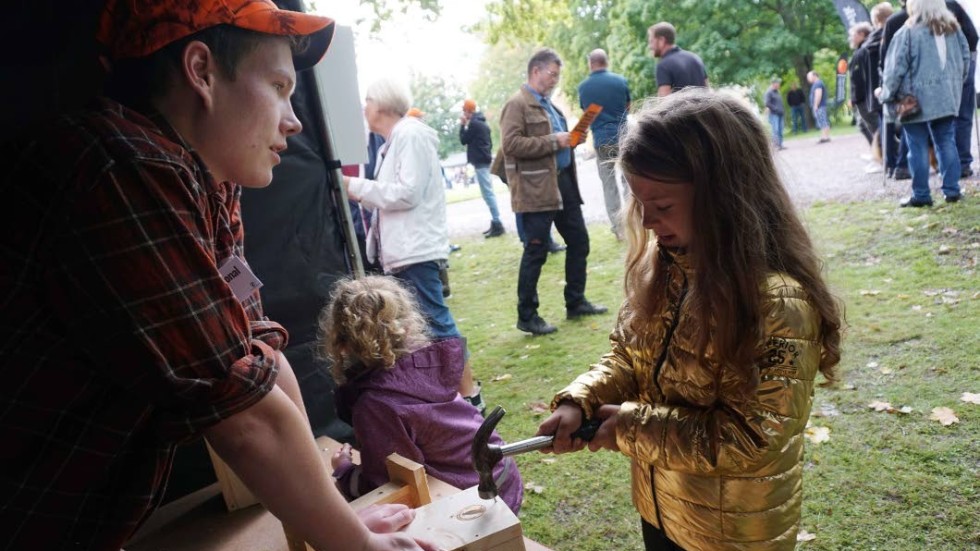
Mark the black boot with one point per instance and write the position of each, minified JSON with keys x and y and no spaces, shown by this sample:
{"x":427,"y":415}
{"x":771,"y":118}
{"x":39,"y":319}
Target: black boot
{"x":496,"y":230}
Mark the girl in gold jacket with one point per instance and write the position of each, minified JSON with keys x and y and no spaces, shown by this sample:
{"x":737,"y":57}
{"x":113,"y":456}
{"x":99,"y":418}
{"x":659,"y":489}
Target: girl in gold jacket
{"x":727,"y":319}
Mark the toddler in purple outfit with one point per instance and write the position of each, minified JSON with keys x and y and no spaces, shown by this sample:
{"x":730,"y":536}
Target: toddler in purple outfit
{"x":398,"y":390}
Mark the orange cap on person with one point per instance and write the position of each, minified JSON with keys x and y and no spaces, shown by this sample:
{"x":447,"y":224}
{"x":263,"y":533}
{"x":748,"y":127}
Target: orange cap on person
{"x":415,"y":112}
{"x":469,"y":105}
{"x":138,"y":28}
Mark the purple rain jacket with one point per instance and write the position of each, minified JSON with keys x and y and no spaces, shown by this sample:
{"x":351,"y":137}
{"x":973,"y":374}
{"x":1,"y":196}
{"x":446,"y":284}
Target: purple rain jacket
{"x":415,"y":410}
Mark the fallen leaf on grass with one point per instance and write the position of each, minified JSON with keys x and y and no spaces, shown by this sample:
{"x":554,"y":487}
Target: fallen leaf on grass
{"x":498,"y":378}
{"x":888,"y":408}
{"x":970,"y":398}
{"x":817,"y":435}
{"x":873,"y":365}
{"x":826,"y":410}
{"x":532,"y":487}
{"x":524,"y":356}
{"x":944,"y":249}
{"x":944,"y":415}
{"x":533,"y":346}
{"x":538,"y":407}
{"x":548,"y":460}
{"x":803,"y":535}
{"x":950,"y":231}
{"x":886,"y":371}
{"x":870,"y":292}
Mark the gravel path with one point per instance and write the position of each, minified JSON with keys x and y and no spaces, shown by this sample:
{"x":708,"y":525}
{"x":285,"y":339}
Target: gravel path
{"x":812,"y":172}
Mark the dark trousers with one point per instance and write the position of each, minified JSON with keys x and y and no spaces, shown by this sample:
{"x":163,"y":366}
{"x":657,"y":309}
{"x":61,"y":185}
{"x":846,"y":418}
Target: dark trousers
{"x":537,"y":225}
{"x":897,"y":154}
{"x":799,"y":118}
{"x":654,"y":539}
{"x":964,"y":120}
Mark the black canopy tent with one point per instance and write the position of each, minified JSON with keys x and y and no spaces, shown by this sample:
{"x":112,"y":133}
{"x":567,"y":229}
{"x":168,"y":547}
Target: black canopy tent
{"x":296,"y":230}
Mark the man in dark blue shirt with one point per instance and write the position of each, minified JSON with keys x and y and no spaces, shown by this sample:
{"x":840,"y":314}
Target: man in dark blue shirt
{"x":818,"y":102}
{"x":612,"y":92}
{"x":677,"y":68}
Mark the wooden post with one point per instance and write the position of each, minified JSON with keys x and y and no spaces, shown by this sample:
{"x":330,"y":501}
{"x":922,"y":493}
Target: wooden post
{"x":408,"y":485}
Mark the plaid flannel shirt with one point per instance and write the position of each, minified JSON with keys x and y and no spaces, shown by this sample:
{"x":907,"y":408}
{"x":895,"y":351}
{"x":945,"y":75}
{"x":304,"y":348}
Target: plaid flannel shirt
{"x":119,"y":337}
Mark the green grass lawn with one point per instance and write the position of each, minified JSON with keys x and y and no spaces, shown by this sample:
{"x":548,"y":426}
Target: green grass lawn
{"x":460,"y":193}
{"x":908,"y":278}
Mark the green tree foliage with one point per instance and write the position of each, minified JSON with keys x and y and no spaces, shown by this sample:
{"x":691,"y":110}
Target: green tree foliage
{"x":383,"y":10}
{"x":741,"y":41}
{"x":441,"y":101}
{"x":502,"y":71}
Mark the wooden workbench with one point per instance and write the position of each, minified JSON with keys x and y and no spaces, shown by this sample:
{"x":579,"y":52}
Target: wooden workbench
{"x":201,"y":521}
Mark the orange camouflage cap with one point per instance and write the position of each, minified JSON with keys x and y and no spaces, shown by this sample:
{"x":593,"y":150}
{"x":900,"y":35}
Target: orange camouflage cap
{"x":415,"y":112}
{"x":137,"y":28}
{"x":469,"y":105}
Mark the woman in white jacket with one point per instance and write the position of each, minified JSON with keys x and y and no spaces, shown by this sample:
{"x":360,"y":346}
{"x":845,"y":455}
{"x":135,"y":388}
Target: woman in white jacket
{"x":408,"y":234}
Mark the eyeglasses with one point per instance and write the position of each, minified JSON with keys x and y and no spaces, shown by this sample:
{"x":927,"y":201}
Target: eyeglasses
{"x":553,"y":74}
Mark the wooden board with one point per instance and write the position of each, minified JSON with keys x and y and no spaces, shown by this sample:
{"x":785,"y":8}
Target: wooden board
{"x":464,"y":522}
{"x":236,"y":493}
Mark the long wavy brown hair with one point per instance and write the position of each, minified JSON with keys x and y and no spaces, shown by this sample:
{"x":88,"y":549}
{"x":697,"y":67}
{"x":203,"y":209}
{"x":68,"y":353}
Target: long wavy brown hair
{"x":368,"y":324}
{"x":746,"y":227}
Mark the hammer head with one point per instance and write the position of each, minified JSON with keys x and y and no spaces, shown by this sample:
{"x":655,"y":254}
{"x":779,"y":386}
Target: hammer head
{"x":486,"y":455}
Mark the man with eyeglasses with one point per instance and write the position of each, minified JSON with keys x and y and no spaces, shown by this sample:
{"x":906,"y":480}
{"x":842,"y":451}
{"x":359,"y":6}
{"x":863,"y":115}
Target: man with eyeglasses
{"x":544,"y":190}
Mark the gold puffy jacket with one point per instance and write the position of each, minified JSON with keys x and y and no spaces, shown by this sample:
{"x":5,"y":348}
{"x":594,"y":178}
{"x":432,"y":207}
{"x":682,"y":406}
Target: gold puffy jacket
{"x":714,"y":466}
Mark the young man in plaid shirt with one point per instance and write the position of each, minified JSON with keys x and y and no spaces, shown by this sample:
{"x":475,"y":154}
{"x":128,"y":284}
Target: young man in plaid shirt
{"x":130,"y":320}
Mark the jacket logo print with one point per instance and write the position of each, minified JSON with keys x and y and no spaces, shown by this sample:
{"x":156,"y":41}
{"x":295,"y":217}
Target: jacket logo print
{"x":780,"y":351}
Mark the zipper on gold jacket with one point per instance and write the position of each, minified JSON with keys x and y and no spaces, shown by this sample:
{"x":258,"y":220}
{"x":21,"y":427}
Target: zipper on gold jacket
{"x":656,"y":381}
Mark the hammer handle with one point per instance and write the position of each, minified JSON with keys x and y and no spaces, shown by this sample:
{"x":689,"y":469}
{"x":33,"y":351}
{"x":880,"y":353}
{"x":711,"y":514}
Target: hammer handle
{"x":585,"y":432}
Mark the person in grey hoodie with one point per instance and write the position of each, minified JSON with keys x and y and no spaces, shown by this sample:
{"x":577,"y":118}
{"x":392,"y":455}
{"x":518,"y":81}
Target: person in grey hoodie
{"x":398,"y":390}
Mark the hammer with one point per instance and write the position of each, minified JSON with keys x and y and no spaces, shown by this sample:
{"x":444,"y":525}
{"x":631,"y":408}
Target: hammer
{"x":487,"y":455}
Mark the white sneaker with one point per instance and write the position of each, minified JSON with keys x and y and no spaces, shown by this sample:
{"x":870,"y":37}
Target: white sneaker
{"x":872,"y":168}
{"x":865,"y":156}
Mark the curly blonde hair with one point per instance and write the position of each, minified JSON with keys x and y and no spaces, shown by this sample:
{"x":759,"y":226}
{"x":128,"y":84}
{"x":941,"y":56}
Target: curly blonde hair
{"x":371,"y":321}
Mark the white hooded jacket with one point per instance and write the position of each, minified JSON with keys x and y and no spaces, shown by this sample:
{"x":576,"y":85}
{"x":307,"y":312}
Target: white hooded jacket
{"x":409,"y":195}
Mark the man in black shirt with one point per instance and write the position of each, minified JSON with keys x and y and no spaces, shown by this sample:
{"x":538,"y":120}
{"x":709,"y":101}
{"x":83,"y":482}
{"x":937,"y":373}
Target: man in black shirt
{"x":677,"y":68}
{"x":797,"y":107}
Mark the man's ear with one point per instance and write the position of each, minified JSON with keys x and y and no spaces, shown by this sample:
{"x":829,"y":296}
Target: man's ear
{"x":199,"y":69}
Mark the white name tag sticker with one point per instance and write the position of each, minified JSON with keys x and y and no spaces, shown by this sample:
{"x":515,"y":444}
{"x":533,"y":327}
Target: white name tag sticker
{"x":239,"y":277}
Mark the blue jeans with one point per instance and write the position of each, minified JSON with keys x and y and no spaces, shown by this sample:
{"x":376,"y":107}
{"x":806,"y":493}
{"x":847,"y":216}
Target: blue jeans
{"x":799,"y":118}
{"x":486,"y":189}
{"x":943,"y":133}
{"x":964,"y":120}
{"x":423,"y":280}
{"x":776,"y":123}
